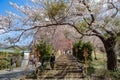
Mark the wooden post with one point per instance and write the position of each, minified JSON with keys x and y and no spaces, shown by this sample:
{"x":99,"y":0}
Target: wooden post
{"x":85,"y":55}
{"x":37,"y":57}
{"x":76,"y":52}
{"x":37,"y":60}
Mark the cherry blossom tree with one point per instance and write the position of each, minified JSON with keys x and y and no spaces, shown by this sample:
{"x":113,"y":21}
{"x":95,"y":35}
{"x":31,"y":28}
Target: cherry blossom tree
{"x":98,"y":18}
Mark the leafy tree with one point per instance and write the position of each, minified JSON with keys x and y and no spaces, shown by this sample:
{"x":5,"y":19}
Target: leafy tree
{"x":88,"y":17}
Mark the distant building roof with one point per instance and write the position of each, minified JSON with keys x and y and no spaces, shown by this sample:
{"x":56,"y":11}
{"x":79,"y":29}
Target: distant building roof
{"x":13,"y":51}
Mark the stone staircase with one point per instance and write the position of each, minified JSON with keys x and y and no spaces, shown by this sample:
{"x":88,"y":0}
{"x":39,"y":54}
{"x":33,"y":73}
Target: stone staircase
{"x":66,"y":67}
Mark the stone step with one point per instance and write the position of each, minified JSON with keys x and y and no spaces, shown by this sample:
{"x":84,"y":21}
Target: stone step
{"x":66,"y":64}
{"x":68,"y":70}
{"x":67,"y":61}
{"x":61,"y":77}
{"x":65,"y":75}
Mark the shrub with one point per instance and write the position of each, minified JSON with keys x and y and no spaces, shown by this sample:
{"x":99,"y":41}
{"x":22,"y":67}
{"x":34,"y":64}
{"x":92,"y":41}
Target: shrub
{"x":5,"y":59}
{"x":44,"y":49}
{"x":4,"y":64}
{"x":115,"y":75}
{"x":81,"y":46}
{"x":90,"y":70}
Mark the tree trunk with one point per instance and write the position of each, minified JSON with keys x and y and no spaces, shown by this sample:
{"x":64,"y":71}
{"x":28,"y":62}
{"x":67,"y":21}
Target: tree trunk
{"x":111,"y":56}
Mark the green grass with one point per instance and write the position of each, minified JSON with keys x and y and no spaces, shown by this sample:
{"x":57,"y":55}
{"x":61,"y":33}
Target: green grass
{"x":100,"y":62}
{"x":100,"y":66}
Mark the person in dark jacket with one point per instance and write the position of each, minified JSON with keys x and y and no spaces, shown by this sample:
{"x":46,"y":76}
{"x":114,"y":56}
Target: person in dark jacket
{"x":11,"y":64}
{"x":52,"y":61}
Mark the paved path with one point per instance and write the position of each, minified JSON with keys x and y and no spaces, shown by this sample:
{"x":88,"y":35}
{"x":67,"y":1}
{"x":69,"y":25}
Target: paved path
{"x":66,"y":67}
{"x":16,"y":74}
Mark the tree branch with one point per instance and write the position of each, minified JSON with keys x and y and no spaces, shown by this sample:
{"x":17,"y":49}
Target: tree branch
{"x":72,"y":25}
{"x":89,"y":10}
{"x":116,"y":10}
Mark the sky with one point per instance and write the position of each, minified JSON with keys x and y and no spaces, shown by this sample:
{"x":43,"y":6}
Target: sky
{"x":5,"y":6}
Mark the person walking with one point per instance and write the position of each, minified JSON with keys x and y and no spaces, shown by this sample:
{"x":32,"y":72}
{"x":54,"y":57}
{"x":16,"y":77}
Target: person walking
{"x":52,"y":61}
{"x":11,"y":64}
